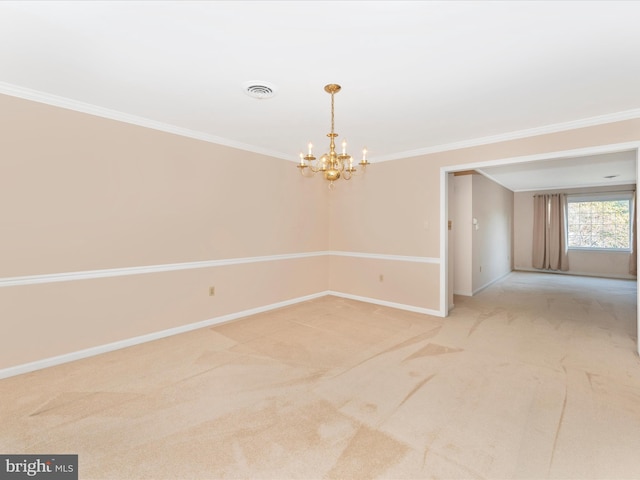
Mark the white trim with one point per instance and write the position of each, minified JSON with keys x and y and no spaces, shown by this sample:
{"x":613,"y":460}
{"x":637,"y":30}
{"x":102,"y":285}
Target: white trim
{"x":599,"y":249}
{"x":518,"y":134}
{"x":464,"y":293}
{"x":109,"y":347}
{"x":70,"y":104}
{"x":77,"y":106}
{"x":601,"y":196}
{"x":381,"y":256}
{"x":556,"y":155}
{"x":579,"y":274}
{"x":444,"y":242}
{"x":572,"y":186}
{"x":488,"y":284}
{"x":399,"y":306}
{"x":637,"y":214}
{"x":556,"y":187}
{"x":119,"y":272}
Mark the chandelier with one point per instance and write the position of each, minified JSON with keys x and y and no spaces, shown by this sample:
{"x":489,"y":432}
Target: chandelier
{"x":332,"y":165}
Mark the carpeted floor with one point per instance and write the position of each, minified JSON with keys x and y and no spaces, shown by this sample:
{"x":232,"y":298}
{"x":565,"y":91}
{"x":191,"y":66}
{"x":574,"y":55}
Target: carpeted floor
{"x":536,"y":377}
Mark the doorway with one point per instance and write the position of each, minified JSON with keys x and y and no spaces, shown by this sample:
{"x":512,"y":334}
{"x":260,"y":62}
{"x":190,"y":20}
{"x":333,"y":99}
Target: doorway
{"x":447,"y":232}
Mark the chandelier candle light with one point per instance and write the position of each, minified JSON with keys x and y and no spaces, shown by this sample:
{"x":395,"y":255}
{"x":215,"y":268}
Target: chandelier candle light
{"x":332,"y":165}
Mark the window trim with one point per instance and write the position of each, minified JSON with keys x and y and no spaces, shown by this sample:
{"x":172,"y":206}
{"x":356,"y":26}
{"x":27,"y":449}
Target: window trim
{"x":601,"y":197}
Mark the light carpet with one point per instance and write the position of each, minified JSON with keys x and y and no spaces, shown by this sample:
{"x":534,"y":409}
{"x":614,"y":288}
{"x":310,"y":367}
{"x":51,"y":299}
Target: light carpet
{"x":535,"y":377}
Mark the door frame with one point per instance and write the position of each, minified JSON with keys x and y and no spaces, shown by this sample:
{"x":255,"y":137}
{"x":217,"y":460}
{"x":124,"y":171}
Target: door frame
{"x":444,"y":204}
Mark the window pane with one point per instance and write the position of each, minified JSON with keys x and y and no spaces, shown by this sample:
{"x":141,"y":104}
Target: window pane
{"x":598,"y":224}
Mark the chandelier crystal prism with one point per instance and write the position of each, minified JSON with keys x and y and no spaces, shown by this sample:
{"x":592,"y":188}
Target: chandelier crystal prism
{"x":332,"y":164}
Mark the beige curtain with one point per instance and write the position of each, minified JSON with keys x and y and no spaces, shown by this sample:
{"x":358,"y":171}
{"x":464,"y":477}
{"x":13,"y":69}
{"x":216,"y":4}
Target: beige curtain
{"x":539,"y":230}
{"x":549,"y":232}
{"x":633,"y":258}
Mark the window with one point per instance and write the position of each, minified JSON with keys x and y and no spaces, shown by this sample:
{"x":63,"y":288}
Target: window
{"x":599,"y":221}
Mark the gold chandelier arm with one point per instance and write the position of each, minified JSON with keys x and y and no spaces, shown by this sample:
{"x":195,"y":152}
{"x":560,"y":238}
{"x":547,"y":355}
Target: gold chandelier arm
{"x":332,"y":165}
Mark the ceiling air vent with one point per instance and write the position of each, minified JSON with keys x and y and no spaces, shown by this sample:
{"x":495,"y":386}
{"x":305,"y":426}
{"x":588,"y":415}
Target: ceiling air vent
{"x":259,"y":90}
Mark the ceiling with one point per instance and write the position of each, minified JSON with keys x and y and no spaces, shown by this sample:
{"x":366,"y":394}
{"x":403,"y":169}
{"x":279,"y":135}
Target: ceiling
{"x":416,"y":76}
{"x":617,"y":168}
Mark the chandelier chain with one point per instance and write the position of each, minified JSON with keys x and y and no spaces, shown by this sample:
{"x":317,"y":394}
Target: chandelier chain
{"x":332,"y":124}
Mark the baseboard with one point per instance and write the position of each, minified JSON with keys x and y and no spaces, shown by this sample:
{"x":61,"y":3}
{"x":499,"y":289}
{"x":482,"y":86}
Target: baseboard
{"x":129,"y":342}
{"x":399,"y":306}
{"x":578,"y":274}
{"x":488,"y":284}
{"x":463,"y":293}
{"x":478,"y":290}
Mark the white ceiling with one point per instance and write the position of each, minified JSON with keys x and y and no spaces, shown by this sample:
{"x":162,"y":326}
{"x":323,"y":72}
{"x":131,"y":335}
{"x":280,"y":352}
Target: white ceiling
{"x":417,"y":76}
{"x":617,"y":168}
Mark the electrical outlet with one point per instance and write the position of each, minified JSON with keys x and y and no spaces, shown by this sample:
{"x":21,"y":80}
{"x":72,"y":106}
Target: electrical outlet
{"x":381,"y":278}
{"x":212,"y":291}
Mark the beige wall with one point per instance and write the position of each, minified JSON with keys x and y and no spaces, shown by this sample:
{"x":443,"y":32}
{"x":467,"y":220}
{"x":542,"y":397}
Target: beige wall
{"x":599,"y":263}
{"x":81,"y":192}
{"x":462,"y":231}
{"x":396,"y":209}
{"x":46,"y":320}
{"x":388,"y":212}
{"x":492,"y":236}
{"x":483,"y":250}
{"x":78,"y":192}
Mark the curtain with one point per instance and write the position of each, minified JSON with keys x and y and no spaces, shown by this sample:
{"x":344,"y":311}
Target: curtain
{"x":539,"y":230}
{"x":549,"y":232}
{"x":633,"y":257}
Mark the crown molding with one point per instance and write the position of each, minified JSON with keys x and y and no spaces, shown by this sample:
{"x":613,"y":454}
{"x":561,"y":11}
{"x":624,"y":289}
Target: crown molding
{"x":518,"y":134}
{"x":88,"y":108}
{"x":75,"y":105}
